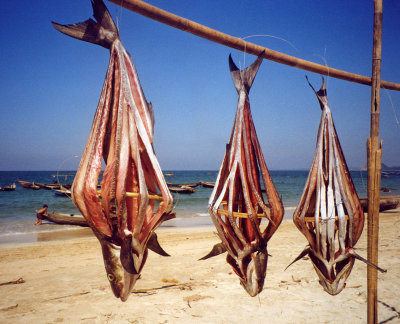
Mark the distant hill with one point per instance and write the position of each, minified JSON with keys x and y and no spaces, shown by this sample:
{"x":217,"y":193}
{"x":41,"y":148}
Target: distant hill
{"x":388,"y":168}
{"x":385,"y":168}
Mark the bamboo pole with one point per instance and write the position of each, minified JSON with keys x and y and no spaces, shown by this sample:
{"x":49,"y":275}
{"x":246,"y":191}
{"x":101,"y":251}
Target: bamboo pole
{"x":192,"y":27}
{"x":374,"y":162}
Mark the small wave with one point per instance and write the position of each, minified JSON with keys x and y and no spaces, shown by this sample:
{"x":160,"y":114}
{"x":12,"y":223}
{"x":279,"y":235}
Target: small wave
{"x":23,"y":230}
{"x":202,"y":214}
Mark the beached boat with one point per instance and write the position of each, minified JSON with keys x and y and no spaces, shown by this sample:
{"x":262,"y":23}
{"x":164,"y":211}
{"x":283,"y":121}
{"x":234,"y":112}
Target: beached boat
{"x":386,"y":203}
{"x":66,"y":219}
{"x":192,"y":185}
{"x":28,"y":185}
{"x":207,"y":184}
{"x":182,"y":190}
{"x":8,"y":188}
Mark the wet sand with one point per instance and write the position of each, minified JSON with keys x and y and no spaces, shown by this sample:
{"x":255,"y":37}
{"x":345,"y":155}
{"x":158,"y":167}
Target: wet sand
{"x":65,"y":282}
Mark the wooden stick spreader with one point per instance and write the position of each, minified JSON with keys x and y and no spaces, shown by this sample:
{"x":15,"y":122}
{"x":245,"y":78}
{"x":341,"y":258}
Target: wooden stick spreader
{"x":136,"y":195}
{"x":311,"y":219}
{"x":239,"y":214}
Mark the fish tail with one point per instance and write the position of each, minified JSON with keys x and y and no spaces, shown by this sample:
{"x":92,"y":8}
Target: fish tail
{"x":244,"y":78}
{"x":102,"y":32}
{"x":321,"y":93}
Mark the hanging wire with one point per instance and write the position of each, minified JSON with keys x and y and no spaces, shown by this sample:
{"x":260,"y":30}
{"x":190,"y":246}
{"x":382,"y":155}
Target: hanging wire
{"x":119,"y":15}
{"x":393,"y":108}
{"x":326,"y":64}
{"x":263,"y":35}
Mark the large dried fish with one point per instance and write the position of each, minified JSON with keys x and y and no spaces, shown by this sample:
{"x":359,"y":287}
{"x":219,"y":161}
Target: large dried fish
{"x":237,"y":204}
{"x":134,"y":198}
{"x":329,"y":213}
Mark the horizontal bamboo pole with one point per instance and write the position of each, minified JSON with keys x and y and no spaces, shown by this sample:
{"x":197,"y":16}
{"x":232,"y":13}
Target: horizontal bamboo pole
{"x":136,"y":195}
{"x":194,"y":28}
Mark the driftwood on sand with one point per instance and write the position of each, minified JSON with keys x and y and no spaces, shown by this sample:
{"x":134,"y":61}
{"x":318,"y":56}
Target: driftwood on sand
{"x":385,"y":203}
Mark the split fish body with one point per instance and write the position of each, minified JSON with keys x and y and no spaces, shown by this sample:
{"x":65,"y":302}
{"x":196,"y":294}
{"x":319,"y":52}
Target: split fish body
{"x":329,"y":214}
{"x":134,"y":198}
{"x":237,"y":201}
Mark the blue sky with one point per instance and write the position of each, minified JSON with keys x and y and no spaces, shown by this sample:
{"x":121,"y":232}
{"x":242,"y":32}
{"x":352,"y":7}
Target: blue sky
{"x":50,"y":84}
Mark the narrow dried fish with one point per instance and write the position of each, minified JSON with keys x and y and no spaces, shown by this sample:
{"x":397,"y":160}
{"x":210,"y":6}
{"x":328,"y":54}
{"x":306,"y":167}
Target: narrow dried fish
{"x":329,"y":214}
{"x":134,"y":198}
{"x":237,"y":204}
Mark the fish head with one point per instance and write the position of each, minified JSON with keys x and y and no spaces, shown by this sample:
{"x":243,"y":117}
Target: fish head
{"x":251,"y":270}
{"x":333,"y":278}
{"x":121,"y":281}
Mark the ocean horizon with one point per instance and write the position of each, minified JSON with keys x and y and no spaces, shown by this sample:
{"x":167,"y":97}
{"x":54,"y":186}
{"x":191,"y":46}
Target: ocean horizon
{"x":17,"y":208}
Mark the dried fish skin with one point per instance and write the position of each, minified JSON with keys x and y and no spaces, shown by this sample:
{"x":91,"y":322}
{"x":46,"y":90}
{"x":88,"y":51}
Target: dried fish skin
{"x":134,"y":198}
{"x":237,"y":204}
{"x":329,"y":214}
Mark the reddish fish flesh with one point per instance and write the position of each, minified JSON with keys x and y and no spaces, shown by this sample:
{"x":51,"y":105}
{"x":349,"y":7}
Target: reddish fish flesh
{"x":237,"y":204}
{"x":329,"y":214}
{"x":134,"y":198}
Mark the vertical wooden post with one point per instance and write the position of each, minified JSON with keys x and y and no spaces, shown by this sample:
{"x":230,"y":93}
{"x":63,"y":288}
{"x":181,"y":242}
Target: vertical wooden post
{"x":374,"y":156}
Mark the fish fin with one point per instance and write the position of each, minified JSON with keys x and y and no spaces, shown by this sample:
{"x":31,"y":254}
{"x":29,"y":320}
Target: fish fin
{"x":167,"y":216}
{"x":103,"y":32}
{"x":217,"y":249}
{"x":359,"y":257}
{"x":155,"y":246}
{"x":164,"y":218}
{"x":321,"y":93}
{"x":244,"y":78}
{"x":126,"y":255}
{"x":305,"y":252}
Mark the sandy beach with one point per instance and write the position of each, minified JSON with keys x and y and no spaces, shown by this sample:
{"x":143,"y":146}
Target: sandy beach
{"x":63,"y":281}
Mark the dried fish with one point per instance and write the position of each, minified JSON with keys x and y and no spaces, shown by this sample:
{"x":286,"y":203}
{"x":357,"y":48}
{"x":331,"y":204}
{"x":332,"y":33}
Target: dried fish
{"x":237,"y":204}
{"x":329,"y":214}
{"x":134,"y":198}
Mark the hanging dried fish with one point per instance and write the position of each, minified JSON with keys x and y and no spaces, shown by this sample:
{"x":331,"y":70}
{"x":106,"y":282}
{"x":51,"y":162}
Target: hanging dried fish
{"x":134,"y":198}
{"x":329,"y":213}
{"x":237,"y":204}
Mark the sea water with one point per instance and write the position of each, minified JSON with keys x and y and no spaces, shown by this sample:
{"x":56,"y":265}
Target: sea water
{"x":17,"y":208}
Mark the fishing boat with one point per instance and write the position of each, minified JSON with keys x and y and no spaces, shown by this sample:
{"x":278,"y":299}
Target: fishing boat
{"x":386,"y":203}
{"x":48,"y":186}
{"x":207,"y":184}
{"x":51,"y":186}
{"x":66,"y":219}
{"x":62,"y":192}
{"x":8,"y":188}
{"x":182,"y":190}
{"x":28,"y":184}
{"x":192,"y":185}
